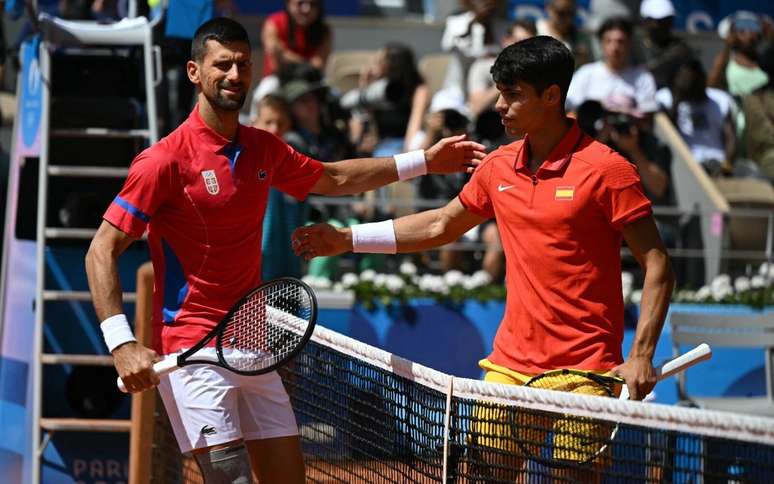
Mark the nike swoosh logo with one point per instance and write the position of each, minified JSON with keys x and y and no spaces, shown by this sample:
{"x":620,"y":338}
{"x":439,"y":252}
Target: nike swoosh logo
{"x":502,"y":188}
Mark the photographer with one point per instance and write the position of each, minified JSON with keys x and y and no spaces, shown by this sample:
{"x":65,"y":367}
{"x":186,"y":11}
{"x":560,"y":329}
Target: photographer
{"x":617,"y":124}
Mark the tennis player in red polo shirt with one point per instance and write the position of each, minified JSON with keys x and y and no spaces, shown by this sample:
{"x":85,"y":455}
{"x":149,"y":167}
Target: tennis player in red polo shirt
{"x":563,"y":203}
{"x":201,"y":193}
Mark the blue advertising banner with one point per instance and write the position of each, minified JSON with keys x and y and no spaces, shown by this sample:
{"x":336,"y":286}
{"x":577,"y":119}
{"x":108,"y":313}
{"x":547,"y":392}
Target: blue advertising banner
{"x":692,"y":15}
{"x":337,"y":7}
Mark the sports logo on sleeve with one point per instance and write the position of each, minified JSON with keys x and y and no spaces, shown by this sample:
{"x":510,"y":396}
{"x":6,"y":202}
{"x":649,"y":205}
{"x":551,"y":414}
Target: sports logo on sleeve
{"x":262,"y":174}
{"x":211,"y":182}
{"x":564,"y":193}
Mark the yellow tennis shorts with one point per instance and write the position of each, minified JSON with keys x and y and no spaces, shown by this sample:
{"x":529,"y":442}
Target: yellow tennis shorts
{"x":499,"y":427}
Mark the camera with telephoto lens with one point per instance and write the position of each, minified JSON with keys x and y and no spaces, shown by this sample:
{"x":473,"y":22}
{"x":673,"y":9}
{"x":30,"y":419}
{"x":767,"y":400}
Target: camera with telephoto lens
{"x":620,"y":122}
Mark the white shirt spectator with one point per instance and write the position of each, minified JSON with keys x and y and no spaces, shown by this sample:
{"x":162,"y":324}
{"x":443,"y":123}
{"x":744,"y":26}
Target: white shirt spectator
{"x":701,"y":124}
{"x":480,"y":76}
{"x":466,"y":41}
{"x":596,"y":82}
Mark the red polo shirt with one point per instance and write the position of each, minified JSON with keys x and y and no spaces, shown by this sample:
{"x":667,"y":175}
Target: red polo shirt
{"x":203,"y":199}
{"x":561,"y":230}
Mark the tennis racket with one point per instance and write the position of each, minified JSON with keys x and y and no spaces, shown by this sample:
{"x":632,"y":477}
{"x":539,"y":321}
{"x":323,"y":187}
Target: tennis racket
{"x":556,"y":441}
{"x":262,"y":331}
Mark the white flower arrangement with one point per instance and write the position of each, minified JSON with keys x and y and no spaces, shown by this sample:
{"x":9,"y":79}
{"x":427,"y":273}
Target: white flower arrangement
{"x":454,"y":286}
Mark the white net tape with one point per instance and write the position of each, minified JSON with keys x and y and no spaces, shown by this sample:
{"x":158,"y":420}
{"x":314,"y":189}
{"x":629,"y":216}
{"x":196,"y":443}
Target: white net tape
{"x":690,"y":420}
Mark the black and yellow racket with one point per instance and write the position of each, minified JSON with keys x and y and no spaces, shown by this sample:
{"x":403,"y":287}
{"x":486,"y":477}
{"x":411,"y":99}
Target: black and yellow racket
{"x":561,"y":439}
{"x":262,"y":331}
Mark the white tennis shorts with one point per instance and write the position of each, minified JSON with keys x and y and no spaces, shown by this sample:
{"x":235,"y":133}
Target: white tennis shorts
{"x":208,"y":405}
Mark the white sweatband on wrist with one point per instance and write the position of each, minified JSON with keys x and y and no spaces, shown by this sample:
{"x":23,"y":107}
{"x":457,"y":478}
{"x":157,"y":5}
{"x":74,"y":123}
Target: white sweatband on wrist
{"x":116,"y":331}
{"x":374,"y":238}
{"x":411,"y":164}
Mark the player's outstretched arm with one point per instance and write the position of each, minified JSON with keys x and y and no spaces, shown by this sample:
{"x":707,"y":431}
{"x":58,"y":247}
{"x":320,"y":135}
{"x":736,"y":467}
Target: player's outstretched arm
{"x":412,"y":233}
{"x":133,"y":361}
{"x":349,"y":177}
{"x":643,"y":239}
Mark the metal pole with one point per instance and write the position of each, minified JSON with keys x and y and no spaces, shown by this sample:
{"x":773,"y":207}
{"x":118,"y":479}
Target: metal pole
{"x":40,"y":263}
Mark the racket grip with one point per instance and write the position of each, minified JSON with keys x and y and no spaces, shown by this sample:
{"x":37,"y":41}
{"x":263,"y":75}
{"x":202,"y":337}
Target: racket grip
{"x":700,"y":353}
{"x":160,"y":368}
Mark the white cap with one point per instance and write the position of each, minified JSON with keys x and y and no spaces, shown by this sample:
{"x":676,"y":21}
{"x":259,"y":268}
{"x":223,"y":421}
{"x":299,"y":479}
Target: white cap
{"x":449,"y":98}
{"x":657,"y":9}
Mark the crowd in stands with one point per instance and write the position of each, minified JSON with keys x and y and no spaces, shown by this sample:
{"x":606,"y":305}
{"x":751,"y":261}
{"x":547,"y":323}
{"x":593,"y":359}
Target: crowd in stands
{"x":628,"y":68}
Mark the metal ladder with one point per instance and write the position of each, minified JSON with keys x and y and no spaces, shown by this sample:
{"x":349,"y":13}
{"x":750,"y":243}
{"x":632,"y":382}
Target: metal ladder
{"x":56,"y":33}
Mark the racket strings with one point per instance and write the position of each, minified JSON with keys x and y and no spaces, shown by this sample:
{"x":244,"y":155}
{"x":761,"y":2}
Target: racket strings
{"x":267,"y":327}
{"x":565,"y":438}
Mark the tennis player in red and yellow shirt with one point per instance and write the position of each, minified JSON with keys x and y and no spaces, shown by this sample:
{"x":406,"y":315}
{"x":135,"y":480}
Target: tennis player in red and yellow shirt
{"x":563,"y":203}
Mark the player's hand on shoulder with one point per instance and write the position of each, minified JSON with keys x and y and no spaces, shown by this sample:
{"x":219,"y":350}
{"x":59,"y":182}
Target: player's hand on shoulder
{"x":321,"y":240}
{"x":134,"y":364}
{"x":639,"y":374}
{"x":454,"y":154}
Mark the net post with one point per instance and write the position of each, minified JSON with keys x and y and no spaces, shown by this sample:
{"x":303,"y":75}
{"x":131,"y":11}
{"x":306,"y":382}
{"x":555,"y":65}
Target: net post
{"x":143,"y":404}
{"x":446,"y":429}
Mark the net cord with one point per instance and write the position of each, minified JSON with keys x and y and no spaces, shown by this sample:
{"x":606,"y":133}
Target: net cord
{"x":759,"y":430}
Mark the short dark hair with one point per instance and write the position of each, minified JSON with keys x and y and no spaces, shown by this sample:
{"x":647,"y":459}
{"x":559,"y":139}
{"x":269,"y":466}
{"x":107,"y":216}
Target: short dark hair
{"x":616,"y":23}
{"x":526,"y":23}
{"x":275,"y":102}
{"x":540,"y":61}
{"x":221,"y":29}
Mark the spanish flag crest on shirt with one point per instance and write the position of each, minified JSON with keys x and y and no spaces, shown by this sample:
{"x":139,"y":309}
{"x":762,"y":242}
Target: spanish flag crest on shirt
{"x":564,"y":193}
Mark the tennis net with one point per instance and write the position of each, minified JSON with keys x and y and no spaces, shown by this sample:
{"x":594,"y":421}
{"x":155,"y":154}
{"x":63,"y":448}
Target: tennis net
{"x":366,"y":415}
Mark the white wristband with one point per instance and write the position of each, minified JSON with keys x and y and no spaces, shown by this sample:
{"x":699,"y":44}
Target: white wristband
{"x":116,"y":331}
{"x":411,"y":164}
{"x":374,"y":238}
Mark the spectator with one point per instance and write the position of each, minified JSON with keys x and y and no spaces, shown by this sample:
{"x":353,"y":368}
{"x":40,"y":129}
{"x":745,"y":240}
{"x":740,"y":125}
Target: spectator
{"x":449,"y":116}
{"x":297,"y":34}
{"x":759,"y":112}
{"x":283,"y":212}
{"x":561,"y":25}
{"x":620,"y":126}
{"x":311,"y":135}
{"x":613,"y":76}
{"x":736,"y":68}
{"x":662,"y":50}
{"x":481,"y":90}
{"x":617,"y":123}
{"x":470,"y":35}
{"x":703,"y":116}
{"x":392,"y":99}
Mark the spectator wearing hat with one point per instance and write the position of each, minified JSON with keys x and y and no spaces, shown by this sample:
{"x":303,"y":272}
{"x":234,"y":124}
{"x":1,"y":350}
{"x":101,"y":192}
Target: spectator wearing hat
{"x":450,"y":116}
{"x":613,"y":75}
{"x":662,"y":50}
{"x":561,"y":24}
{"x":736,"y":67}
{"x":617,"y":123}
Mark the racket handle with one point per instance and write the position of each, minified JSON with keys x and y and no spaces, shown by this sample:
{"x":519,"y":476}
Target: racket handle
{"x":686,"y":360}
{"x":700,"y":353}
{"x":160,"y":368}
